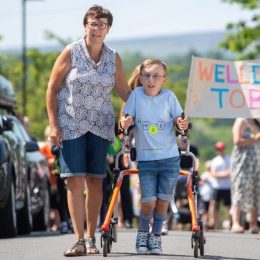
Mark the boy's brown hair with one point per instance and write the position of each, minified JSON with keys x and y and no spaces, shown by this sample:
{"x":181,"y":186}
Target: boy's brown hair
{"x":151,"y":62}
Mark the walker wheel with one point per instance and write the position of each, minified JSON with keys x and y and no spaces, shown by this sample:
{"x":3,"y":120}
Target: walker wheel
{"x":109,"y":245}
{"x":105,"y":246}
{"x":114,"y":233}
{"x":201,"y":239}
{"x":195,"y":247}
{"x":201,"y":245}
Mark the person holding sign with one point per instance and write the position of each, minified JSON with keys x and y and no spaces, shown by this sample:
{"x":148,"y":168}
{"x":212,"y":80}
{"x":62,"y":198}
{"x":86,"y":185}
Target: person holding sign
{"x":154,"y":111}
{"x":245,"y":176}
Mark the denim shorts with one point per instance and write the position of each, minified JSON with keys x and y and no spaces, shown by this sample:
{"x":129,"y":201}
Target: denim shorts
{"x":158,"y":178}
{"x":84,"y":156}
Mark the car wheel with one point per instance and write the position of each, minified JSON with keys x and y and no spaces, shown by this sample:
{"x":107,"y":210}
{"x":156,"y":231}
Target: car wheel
{"x":8,"y":224}
{"x":24,"y":220}
{"x":41,"y":219}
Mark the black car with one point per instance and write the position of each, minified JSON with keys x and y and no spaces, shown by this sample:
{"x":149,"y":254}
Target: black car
{"x":39,"y":176}
{"x":15,"y":199}
{"x":24,"y":174}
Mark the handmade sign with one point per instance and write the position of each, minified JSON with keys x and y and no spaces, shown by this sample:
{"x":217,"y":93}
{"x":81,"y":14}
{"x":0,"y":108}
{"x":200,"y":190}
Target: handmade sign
{"x":223,"y":89}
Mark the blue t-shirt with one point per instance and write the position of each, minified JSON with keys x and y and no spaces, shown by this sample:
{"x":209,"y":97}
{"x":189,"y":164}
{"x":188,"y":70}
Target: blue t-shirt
{"x":153,"y":117}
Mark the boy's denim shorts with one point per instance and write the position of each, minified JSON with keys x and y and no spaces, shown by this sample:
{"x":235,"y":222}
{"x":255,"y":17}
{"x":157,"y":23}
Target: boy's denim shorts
{"x":84,"y":156}
{"x":158,"y":178}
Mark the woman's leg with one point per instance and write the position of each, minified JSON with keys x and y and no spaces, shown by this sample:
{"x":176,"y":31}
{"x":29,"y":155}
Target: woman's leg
{"x":76,"y":203}
{"x":236,"y":215}
{"x":253,"y":228}
{"x":236,"y":212}
{"x":93,"y":203}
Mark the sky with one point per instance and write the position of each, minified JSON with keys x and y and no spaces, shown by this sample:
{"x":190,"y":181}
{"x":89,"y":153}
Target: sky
{"x":132,"y":19}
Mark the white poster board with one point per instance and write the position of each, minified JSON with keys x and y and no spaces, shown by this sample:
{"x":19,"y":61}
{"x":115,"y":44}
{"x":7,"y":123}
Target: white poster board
{"x":223,"y":89}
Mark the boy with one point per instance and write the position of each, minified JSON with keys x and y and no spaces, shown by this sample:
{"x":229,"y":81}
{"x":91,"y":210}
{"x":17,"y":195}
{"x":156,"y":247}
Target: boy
{"x":154,"y":111}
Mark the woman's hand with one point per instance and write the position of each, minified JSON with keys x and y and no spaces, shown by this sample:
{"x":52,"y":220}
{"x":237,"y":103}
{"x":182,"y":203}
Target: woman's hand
{"x":257,"y":136}
{"x":55,"y":135}
{"x":125,"y":122}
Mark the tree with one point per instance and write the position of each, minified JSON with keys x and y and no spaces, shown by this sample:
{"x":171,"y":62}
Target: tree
{"x":61,"y":41}
{"x":243,"y":37}
{"x":39,"y":68}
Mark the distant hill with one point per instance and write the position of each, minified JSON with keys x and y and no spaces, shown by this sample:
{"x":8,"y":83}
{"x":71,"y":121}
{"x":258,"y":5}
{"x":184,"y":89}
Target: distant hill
{"x":159,"y":46}
{"x":166,"y":45}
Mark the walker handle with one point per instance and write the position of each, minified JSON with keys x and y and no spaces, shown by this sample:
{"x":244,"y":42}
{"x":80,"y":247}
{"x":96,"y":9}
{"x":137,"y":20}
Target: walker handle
{"x":125,"y":132}
{"x":184,"y":133}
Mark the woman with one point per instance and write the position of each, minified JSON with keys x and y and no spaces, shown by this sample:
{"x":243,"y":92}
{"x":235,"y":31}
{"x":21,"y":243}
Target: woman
{"x":245,"y":177}
{"x":81,"y":119}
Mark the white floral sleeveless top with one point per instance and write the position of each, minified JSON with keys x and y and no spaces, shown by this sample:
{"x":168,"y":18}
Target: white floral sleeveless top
{"x":84,"y":100}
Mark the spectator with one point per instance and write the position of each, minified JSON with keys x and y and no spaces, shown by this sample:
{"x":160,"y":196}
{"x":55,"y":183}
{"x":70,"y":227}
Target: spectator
{"x":108,"y":181}
{"x":206,"y":195}
{"x":133,"y":82}
{"x":46,"y":151}
{"x":245,"y":173}
{"x":183,"y":215}
{"x":126,"y":201}
{"x":65,"y":221}
{"x":132,"y":181}
{"x":220,"y":171}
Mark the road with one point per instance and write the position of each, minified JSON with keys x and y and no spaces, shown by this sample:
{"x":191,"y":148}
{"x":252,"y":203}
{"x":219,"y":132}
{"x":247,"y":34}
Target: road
{"x":176,"y":245}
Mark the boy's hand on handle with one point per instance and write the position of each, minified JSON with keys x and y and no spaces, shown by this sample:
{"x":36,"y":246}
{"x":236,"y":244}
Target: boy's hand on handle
{"x":182,"y":123}
{"x":126,"y":122}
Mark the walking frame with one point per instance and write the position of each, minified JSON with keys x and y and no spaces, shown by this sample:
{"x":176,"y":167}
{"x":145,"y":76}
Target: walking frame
{"x":109,"y":227}
{"x":197,"y":239}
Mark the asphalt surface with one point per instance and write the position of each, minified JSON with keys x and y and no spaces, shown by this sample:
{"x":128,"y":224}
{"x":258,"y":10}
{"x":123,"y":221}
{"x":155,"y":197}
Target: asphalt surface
{"x":176,"y":245}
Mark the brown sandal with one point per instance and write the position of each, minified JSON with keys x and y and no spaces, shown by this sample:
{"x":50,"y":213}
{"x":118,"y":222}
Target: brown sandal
{"x":91,"y":246}
{"x":78,"y":249}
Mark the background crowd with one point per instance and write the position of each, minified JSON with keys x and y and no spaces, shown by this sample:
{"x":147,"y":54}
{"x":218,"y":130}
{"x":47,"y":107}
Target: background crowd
{"x":228,"y":193}
{"x":235,"y":180}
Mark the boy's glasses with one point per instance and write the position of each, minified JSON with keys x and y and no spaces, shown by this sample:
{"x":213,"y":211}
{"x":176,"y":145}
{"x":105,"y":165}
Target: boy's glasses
{"x":154,"y":77}
{"x":100,"y":26}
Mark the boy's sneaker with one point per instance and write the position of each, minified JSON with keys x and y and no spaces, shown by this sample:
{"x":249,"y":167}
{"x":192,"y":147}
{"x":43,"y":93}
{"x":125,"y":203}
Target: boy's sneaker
{"x":154,"y":244}
{"x":141,"y":243}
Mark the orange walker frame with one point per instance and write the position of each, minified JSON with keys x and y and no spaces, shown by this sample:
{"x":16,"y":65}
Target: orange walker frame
{"x":109,"y":228}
